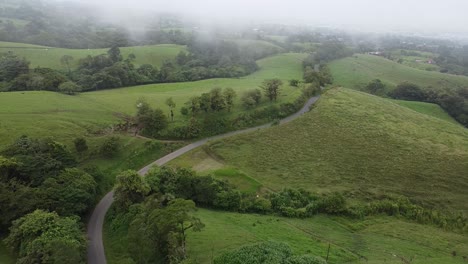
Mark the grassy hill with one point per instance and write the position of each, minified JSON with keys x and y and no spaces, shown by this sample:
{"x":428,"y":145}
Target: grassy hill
{"x":359,"y":144}
{"x":429,"y":109}
{"x":40,"y":113}
{"x":375,"y":240}
{"x":357,"y":71}
{"x":47,"y":57}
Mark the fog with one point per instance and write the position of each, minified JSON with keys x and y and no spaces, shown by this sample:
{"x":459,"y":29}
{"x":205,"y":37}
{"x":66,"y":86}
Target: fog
{"x":426,"y":16}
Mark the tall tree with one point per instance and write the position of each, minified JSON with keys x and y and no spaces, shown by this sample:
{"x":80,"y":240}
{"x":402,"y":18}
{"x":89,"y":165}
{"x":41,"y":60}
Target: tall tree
{"x":114,"y":54}
{"x":170,"y":102}
{"x":217,"y":100}
{"x":42,"y":237}
{"x":130,"y":188}
{"x":229,"y":96}
{"x":271,"y":88}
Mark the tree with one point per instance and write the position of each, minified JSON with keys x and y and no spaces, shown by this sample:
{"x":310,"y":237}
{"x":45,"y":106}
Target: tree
{"x":153,"y":122}
{"x":110,"y":147}
{"x":376,"y":87}
{"x":71,"y":192}
{"x":80,"y":144}
{"x":251,"y":98}
{"x":42,"y":237}
{"x":205,"y":102}
{"x":11,"y":66}
{"x":170,"y":102}
{"x":69,"y":88}
{"x":229,"y":95}
{"x":130,"y":188}
{"x":66,"y":60}
{"x":175,"y":220}
{"x":193,"y":105}
{"x":148,"y":71}
{"x":271,"y":88}
{"x":217,"y":100}
{"x":408,"y":91}
{"x":294,"y":82}
{"x":114,"y":54}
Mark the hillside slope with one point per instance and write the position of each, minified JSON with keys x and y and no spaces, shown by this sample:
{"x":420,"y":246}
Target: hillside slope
{"x":41,"y":113}
{"x":357,"y":71}
{"x":360,"y":144}
{"x":46,"y":57}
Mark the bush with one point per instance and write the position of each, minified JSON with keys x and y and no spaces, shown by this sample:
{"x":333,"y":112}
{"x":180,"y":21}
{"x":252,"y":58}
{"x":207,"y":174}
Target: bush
{"x":80,"y":144}
{"x":408,"y":91}
{"x":294,"y":82}
{"x":110,"y":147}
{"x":184,"y":111}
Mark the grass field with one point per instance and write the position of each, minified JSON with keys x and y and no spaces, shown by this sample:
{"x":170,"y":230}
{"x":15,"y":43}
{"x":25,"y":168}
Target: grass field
{"x":429,"y":109}
{"x":46,"y":57}
{"x":40,"y":113}
{"x":374,"y":240}
{"x":357,"y":71}
{"x":418,"y":62}
{"x":359,"y":144}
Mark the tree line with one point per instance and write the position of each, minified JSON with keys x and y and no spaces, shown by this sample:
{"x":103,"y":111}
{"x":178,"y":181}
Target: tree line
{"x":111,"y":70}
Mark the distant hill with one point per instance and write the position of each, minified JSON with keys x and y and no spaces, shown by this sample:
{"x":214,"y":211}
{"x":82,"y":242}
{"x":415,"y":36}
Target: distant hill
{"x":357,"y":71}
{"x":359,"y":144}
{"x":47,"y":57}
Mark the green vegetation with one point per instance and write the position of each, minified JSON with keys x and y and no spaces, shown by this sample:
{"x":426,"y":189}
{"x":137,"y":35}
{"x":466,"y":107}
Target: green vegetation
{"x":428,"y":109}
{"x":376,"y":239}
{"x":396,"y":151}
{"x":357,"y":71}
{"x":47,"y":57}
{"x":5,"y":255}
{"x":67,"y":117}
{"x":416,"y":59}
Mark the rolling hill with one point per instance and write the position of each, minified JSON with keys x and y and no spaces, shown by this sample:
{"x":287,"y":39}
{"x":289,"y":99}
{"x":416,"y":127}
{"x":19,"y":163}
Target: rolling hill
{"x":48,"y":57}
{"x":362,"y":145}
{"x":41,"y":113}
{"x":357,"y":71}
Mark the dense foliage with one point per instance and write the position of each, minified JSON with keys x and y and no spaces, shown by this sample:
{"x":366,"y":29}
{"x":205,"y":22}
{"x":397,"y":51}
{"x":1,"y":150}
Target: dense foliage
{"x":266,"y":253}
{"x":41,"y":174}
{"x":42,"y":237}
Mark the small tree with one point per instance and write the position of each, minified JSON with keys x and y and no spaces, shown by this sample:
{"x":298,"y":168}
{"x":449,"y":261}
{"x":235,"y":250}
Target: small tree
{"x":217,"y":100}
{"x":229,"y":95}
{"x":271,"y":88}
{"x":376,"y":87}
{"x":408,"y":91}
{"x":193,"y":105}
{"x":251,"y":98}
{"x":80,"y":144}
{"x":111,"y":147}
{"x":294,"y":82}
{"x":170,"y":102}
{"x":130,"y":188}
{"x":114,"y":54}
{"x":69,"y":88}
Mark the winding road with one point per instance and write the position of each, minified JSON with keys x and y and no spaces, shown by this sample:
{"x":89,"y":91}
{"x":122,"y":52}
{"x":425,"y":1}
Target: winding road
{"x":96,"y":253}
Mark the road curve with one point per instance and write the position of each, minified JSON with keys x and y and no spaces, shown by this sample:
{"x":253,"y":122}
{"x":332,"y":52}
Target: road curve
{"x":96,"y":253}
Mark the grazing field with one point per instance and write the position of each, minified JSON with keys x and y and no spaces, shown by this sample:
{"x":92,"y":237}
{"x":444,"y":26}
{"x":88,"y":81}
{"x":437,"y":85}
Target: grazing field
{"x":357,"y":71}
{"x":416,"y":59}
{"x":374,"y":240}
{"x":359,"y":144}
{"x":40,"y":113}
{"x":428,"y":109}
{"x":48,"y":57}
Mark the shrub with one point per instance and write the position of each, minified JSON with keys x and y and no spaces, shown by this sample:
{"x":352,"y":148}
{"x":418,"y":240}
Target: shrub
{"x":294,"y":82}
{"x":408,"y":91}
{"x":80,"y":144}
{"x":110,"y":147}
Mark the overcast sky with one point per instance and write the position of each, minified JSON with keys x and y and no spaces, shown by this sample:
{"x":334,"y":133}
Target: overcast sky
{"x":445,"y":16}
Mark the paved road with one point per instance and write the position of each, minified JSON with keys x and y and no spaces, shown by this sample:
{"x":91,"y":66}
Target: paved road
{"x":96,"y":254}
